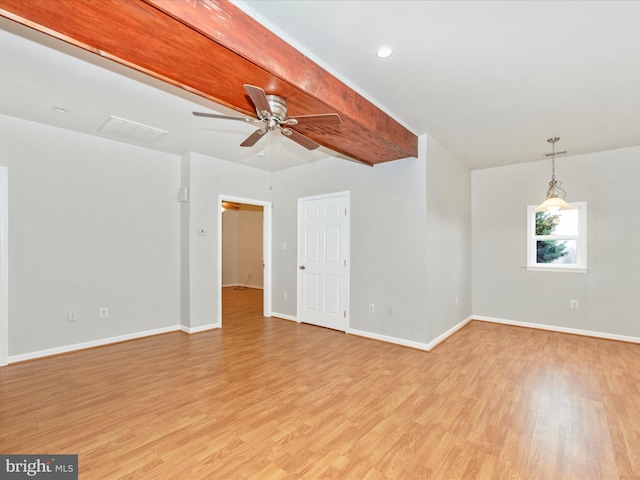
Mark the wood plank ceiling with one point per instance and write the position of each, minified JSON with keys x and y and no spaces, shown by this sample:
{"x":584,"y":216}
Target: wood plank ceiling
{"x":212,"y":48}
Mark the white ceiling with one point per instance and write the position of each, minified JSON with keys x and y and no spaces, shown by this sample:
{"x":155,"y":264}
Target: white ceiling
{"x":490,"y":80}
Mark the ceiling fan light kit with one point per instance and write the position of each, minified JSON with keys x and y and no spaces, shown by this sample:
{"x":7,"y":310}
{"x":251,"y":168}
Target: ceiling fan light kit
{"x":555,"y":193}
{"x":272,"y":111}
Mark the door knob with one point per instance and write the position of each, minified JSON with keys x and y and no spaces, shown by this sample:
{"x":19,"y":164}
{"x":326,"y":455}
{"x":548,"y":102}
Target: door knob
{"x":302,"y":267}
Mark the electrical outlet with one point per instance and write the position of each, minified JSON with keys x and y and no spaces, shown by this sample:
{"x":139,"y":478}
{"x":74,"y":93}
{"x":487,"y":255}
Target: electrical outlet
{"x":574,"y":305}
{"x":104,"y":312}
{"x":285,"y":295}
{"x":73,"y":316}
{"x":457,"y":302}
{"x":390,"y":312}
{"x":372,"y":308}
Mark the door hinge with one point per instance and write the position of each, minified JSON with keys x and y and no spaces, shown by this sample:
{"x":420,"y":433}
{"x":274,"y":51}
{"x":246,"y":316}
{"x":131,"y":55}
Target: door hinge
{"x":345,"y":263}
{"x":344,"y":314}
{"x":345,"y":212}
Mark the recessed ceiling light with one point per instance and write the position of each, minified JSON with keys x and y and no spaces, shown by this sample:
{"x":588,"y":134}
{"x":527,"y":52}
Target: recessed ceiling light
{"x":60,"y":109}
{"x":260,"y":154}
{"x":384,"y":52}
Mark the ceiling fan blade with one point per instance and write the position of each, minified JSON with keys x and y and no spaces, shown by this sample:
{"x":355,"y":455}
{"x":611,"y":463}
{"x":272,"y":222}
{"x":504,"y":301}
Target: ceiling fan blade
{"x":226,"y":117}
{"x":253,"y":138}
{"x":299,"y":138}
{"x":259,"y":99}
{"x":320,"y":119}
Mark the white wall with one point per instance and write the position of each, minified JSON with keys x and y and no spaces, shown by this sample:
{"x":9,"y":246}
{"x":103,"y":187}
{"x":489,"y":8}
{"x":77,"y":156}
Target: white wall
{"x":388,"y":232}
{"x":97,"y":223}
{"x":208,"y":178}
{"x":502,"y":288}
{"x":92,"y":223}
{"x":448,"y":240}
{"x":410,"y":240}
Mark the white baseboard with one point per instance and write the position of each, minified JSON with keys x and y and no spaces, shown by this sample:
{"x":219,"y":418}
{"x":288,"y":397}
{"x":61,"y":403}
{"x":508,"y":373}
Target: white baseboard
{"x":437,"y":341}
{"x":361,"y":333}
{"x":388,"y":339}
{"x":427,"y":347}
{"x":284,"y":316}
{"x":107,"y":341}
{"x":553,"y":328}
{"x":93,"y":343}
{"x":201,"y":328}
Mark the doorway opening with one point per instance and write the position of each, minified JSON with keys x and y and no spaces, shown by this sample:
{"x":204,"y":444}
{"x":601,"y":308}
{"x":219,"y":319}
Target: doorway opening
{"x":244,"y":257}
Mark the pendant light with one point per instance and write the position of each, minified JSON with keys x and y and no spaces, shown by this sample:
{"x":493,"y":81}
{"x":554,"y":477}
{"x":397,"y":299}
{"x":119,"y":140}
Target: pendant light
{"x":555,"y":193}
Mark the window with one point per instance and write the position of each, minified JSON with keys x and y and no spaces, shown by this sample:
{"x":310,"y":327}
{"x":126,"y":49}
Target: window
{"x":557,"y":241}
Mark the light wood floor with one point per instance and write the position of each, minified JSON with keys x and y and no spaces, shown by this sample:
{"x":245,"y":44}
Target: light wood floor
{"x":269,"y":399}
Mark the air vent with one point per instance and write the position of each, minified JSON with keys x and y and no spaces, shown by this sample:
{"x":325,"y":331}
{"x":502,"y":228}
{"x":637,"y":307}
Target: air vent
{"x":119,"y":127}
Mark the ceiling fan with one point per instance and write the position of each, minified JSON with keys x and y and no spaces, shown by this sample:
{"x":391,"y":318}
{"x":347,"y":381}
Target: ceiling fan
{"x":271,"y":111}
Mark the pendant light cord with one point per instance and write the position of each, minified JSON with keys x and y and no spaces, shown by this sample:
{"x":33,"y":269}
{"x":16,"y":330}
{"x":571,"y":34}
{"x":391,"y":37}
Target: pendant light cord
{"x":555,"y":189}
{"x":553,"y":161}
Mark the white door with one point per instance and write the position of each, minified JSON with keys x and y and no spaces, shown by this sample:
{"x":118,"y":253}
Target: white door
{"x":323,"y":267}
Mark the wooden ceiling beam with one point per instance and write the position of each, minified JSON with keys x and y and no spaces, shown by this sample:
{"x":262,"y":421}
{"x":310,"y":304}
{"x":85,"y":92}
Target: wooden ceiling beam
{"x":212,"y":48}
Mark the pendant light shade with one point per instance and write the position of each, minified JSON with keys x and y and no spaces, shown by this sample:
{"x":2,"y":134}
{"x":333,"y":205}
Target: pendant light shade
{"x":553,"y":204}
{"x":555,"y":193}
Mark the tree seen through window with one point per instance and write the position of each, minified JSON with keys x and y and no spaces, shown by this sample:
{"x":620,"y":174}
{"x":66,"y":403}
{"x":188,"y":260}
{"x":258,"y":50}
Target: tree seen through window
{"x":548,"y":251}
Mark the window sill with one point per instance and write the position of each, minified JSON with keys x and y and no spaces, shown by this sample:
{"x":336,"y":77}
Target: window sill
{"x":556,"y":268}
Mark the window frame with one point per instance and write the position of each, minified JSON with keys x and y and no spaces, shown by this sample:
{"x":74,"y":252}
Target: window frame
{"x":581,"y":243}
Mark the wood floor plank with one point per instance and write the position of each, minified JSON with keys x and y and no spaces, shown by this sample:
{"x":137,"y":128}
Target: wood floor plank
{"x":270,"y":398}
